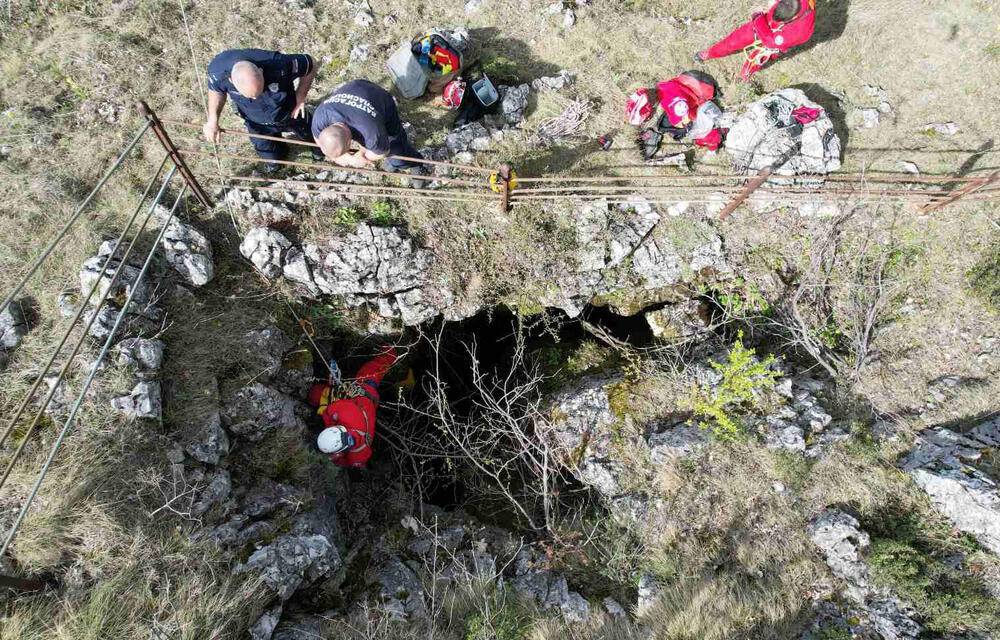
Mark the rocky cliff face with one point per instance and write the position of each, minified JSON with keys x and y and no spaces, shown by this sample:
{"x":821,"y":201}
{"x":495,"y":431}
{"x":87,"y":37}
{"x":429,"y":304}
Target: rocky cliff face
{"x":625,"y":258}
{"x":944,"y":464}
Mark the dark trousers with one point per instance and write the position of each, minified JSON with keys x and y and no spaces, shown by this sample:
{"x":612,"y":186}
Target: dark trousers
{"x":301,"y":128}
{"x":399,"y":143}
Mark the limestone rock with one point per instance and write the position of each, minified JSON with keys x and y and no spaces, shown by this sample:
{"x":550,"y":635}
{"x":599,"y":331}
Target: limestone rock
{"x":648,"y":593}
{"x":552,"y":83}
{"x":843,"y":544}
{"x":187,"y":250}
{"x":145,"y":355}
{"x":471,"y":137}
{"x":265,"y":248}
{"x":143,"y":402}
{"x":292,"y":561}
{"x":768,"y":135}
{"x":217,"y":487}
{"x":266,"y":347}
{"x":943,"y":462}
{"x":548,"y":588}
{"x":256,"y":410}
{"x":943,"y":128}
{"x":263,"y":629}
{"x":401,"y":591}
{"x":513,"y":103}
{"x":211,"y":442}
{"x":13,"y":324}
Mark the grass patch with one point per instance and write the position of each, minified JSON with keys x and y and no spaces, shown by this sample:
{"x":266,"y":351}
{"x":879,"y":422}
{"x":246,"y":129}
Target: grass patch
{"x":984,"y":277}
{"x":924,"y":564}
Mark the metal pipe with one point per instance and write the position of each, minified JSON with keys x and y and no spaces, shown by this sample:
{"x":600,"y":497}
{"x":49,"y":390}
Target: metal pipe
{"x":351,"y":185}
{"x":330,"y":167}
{"x":90,"y":380}
{"x":832,"y":177}
{"x":76,"y":348}
{"x":76,"y":215}
{"x":702,"y":187}
{"x":175,"y":155}
{"x":375,"y":195}
{"x":304,"y":143}
{"x":83,"y":306}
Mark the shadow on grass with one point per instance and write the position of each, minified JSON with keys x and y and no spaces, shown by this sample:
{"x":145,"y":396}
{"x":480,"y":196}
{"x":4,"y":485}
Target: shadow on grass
{"x":834,"y":109}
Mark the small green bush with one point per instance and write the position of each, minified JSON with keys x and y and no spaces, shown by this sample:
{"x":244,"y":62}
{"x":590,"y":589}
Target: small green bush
{"x":348,"y":216}
{"x":743,"y":376}
{"x":384,"y":214}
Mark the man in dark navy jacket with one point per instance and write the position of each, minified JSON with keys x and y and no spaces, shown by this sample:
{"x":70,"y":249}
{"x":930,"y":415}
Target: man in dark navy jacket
{"x":261,"y":85}
{"x":359,"y":125}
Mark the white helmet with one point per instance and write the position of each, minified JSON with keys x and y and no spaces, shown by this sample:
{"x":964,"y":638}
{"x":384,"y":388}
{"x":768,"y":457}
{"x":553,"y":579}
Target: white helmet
{"x":334,"y":440}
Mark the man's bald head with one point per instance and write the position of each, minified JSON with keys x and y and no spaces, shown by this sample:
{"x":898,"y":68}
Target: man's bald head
{"x":334,"y":141}
{"x":248,"y":79}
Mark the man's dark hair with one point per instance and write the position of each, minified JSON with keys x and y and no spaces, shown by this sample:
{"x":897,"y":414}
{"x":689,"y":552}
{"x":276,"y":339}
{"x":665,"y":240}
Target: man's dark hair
{"x":787,"y":10}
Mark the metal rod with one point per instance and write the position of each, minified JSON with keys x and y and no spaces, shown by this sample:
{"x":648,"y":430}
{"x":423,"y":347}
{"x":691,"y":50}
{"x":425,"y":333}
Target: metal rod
{"x":968,"y":190}
{"x":792,"y":197}
{"x":305,"y":143}
{"x":832,"y":177}
{"x":352,"y":185}
{"x":72,"y":220}
{"x":747,"y":191}
{"x":89,"y":381}
{"x":83,"y":337}
{"x":82,"y":307}
{"x":21,"y":584}
{"x":372,"y":195}
{"x":175,"y":154}
{"x":330,"y":167}
{"x":702,"y":187}
{"x":504,"y":174}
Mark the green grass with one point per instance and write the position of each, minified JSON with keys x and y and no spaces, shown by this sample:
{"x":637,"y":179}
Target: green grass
{"x":909,"y":557}
{"x":984,"y":277}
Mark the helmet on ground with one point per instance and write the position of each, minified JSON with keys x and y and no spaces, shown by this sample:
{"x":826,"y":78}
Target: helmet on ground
{"x":453,"y":93}
{"x":334,"y":440}
{"x":639,"y":108}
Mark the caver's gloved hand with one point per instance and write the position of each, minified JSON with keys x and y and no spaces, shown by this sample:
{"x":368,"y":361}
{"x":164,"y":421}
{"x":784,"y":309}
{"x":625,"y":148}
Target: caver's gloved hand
{"x":649,"y":142}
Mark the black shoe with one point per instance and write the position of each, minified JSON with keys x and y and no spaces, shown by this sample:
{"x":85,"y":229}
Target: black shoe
{"x":317,"y":155}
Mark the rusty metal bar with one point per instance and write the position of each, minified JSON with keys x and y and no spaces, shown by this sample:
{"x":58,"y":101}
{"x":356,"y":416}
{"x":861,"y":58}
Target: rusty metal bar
{"x":819,"y":190}
{"x":831,"y":177}
{"x":966,"y":191}
{"x":175,"y":154}
{"x":347,"y":186}
{"x":21,"y":584}
{"x":332,"y":167}
{"x":305,"y":143}
{"x":504,"y":174}
{"x":370,"y":195}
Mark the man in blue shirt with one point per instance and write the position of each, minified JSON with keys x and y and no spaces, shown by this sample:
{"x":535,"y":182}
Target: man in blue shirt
{"x":365,"y":114}
{"x":261,"y":85}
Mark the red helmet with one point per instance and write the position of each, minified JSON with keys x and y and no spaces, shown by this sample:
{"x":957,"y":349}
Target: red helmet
{"x":639,"y":108}
{"x":453,"y":93}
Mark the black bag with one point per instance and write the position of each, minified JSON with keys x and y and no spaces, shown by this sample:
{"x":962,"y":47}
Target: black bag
{"x":472,"y":108}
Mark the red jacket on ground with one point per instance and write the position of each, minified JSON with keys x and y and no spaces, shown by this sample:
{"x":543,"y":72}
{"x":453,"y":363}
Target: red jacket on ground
{"x":771,"y":33}
{"x":356,"y":414}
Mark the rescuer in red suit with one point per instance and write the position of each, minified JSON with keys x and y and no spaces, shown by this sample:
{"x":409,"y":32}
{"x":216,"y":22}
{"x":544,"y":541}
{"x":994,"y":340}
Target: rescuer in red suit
{"x":350,"y":421}
{"x":787,"y":24}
